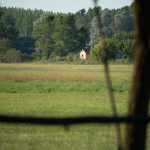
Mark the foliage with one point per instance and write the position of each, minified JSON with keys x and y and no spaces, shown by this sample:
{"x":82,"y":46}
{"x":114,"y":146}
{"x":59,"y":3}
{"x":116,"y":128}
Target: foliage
{"x":111,"y":50}
{"x":18,"y":22}
{"x":123,"y":21}
{"x":119,"y":38}
{"x":44,"y":34}
{"x":24,"y":44}
{"x":128,"y":49}
{"x":36,"y":56}
{"x":11,"y":32}
{"x":94,"y":31}
{"x":12,"y":56}
{"x":27,"y":58}
{"x":69,"y":57}
{"x":2,"y":31}
{"x":21,"y":19}
{"x":38,"y":48}
{"x":65,"y":34}
{"x":106,"y":20}
{"x":5,"y":44}
{"x":8,"y":19}
{"x":82,"y":37}
{"x":58,"y":34}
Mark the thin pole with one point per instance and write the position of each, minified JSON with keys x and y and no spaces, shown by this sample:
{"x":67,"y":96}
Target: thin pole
{"x":108,"y":81}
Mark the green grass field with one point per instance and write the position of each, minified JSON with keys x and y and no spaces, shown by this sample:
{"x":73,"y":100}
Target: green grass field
{"x":52,"y":90}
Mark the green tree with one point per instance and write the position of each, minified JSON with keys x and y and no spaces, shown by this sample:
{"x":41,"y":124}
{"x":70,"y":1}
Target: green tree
{"x":123,"y":21}
{"x":128,"y":49}
{"x":5,"y":44}
{"x":58,"y":34}
{"x":111,"y":50}
{"x":38,"y":48}
{"x":119,"y":38}
{"x":65,"y":36}
{"x":12,"y":56}
{"x":11,"y":32}
{"x":44,"y":34}
{"x":83,"y":37}
{"x":2,"y":31}
{"x":24,"y":44}
{"x":8,"y":19}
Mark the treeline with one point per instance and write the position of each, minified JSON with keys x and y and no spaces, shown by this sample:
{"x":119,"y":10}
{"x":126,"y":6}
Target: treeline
{"x":48,"y":34}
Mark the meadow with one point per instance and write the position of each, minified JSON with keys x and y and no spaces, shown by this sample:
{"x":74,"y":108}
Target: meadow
{"x":55,"y":90}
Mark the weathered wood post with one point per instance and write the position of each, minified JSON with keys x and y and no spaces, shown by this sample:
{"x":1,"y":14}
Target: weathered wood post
{"x":135,"y":137}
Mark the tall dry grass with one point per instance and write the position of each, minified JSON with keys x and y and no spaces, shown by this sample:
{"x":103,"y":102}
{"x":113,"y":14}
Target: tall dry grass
{"x":51,"y":77}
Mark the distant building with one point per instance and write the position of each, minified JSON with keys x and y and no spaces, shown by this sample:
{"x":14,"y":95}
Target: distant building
{"x":85,"y":53}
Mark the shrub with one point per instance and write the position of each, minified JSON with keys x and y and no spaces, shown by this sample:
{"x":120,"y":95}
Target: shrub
{"x":58,"y":58}
{"x":69,"y":58}
{"x":5,"y":44}
{"x":12,"y":56}
{"x":96,"y":51}
{"x":27,"y":58}
{"x":36,"y":56}
{"x":75,"y":57}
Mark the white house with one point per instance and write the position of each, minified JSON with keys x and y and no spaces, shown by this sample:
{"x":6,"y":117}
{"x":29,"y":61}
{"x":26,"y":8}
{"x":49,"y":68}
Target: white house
{"x":85,"y":53}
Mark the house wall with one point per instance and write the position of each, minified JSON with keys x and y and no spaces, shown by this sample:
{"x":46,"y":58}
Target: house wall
{"x":87,"y":55}
{"x":82,"y":55}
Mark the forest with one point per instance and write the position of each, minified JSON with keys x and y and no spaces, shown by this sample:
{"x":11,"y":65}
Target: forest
{"x":27,"y":35}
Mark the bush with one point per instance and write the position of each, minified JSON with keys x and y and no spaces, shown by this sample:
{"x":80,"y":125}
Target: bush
{"x":5,"y":44}
{"x":36,"y":56}
{"x":75,"y":57}
{"x":111,"y":50}
{"x":69,"y":58}
{"x":27,"y":58}
{"x":12,"y":56}
{"x":58,"y":58}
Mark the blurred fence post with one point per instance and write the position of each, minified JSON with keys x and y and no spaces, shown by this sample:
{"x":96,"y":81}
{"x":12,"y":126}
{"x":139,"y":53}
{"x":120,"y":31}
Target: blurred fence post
{"x":135,"y":137}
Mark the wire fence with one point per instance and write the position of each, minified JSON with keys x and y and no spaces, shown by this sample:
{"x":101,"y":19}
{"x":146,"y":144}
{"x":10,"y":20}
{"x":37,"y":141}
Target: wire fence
{"x":75,"y":120}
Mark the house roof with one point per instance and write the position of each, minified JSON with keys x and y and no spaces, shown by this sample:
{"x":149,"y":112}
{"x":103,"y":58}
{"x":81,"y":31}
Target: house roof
{"x":87,"y":49}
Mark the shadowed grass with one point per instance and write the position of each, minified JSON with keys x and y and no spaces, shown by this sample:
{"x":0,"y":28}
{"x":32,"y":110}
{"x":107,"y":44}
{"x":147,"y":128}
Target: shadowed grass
{"x":86,"y":136}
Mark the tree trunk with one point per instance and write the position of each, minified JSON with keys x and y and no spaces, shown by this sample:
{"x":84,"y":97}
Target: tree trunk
{"x":135,"y":137}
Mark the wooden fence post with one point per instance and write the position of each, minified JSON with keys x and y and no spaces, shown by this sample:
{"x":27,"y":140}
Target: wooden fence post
{"x":135,"y":136}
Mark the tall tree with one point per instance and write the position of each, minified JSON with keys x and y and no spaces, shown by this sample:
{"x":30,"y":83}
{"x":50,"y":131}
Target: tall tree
{"x":123,"y":21}
{"x":119,"y":38}
{"x":65,"y":33}
{"x":44,"y":34}
{"x":94,"y":31}
{"x":2,"y":31}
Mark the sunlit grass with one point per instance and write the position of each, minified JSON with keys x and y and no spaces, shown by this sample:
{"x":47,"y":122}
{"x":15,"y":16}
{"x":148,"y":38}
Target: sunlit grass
{"x":86,"y":136}
{"x":54,"y":90}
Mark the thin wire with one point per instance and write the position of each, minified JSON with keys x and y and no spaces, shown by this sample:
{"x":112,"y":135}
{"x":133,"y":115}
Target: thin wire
{"x":75,"y":120}
{"x":108,"y":81}
{"x":24,"y":41}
